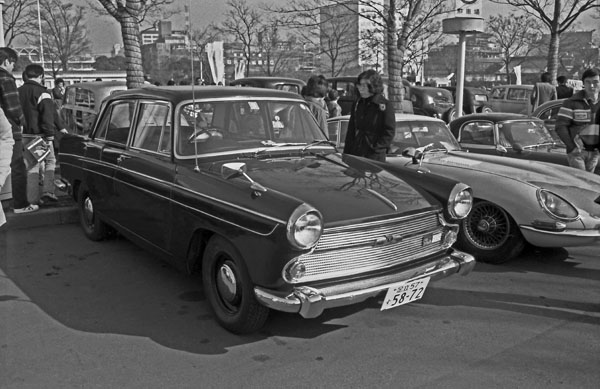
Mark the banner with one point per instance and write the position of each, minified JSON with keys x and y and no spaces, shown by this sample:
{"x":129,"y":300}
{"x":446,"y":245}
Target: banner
{"x":214,"y":52}
{"x":517,"y":70}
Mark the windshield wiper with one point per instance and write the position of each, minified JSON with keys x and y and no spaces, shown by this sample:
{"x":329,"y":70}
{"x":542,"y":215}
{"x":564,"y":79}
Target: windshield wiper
{"x":319,"y":142}
{"x":270,"y":144}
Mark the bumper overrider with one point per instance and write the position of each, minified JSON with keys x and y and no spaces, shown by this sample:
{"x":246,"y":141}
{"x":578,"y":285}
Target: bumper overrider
{"x":310,"y":302}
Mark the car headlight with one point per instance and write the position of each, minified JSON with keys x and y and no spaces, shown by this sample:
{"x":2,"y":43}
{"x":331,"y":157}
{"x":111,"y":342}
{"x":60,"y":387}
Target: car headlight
{"x":460,"y":201}
{"x":556,"y":206}
{"x":304,"y":227}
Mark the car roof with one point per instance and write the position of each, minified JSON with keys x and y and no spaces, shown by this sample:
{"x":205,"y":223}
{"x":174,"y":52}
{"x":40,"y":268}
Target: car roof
{"x":523,"y":86}
{"x":491,"y":116}
{"x":547,"y":104}
{"x":399,"y":117}
{"x":177,"y":94}
{"x":97,"y":85}
{"x":269,"y":80}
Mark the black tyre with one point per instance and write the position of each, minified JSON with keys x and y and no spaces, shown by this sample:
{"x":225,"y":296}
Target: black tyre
{"x":229,"y":289}
{"x":486,"y":109}
{"x":490,"y":234}
{"x":94,"y":228}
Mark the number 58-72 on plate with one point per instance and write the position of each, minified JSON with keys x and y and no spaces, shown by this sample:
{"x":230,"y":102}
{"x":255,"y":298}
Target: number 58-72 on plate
{"x":404,"y":293}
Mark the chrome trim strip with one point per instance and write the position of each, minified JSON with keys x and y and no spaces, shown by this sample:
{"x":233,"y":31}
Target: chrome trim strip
{"x":574,"y":233}
{"x":383,"y":198}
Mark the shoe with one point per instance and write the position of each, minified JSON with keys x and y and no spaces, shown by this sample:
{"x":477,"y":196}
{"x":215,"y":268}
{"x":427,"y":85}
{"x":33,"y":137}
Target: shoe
{"x":27,"y":209}
{"x":48,"y":198}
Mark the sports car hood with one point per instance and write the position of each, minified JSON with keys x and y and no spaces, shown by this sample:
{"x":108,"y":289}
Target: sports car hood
{"x":341,"y":189}
{"x":562,"y":180}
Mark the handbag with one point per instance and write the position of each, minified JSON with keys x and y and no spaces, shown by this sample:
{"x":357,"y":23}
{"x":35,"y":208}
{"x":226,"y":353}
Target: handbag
{"x":35,"y":151}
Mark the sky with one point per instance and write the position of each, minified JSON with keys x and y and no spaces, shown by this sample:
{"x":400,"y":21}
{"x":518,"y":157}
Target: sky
{"x":105,"y":32}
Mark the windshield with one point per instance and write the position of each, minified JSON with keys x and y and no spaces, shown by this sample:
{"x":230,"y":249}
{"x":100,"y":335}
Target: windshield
{"x":524,"y":132}
{"x":209,"y":127}
{"x":417,"y":133}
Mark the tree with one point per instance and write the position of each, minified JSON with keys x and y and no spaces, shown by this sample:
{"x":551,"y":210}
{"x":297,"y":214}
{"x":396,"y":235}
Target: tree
{"x":558,"y":16}
{"x":18,"y":20}
{"x":243,"y":23}
{"x":514,"y":35}
{"x":110,"y":63}
{"x":130,"y":14}
{"x":63,"y":31}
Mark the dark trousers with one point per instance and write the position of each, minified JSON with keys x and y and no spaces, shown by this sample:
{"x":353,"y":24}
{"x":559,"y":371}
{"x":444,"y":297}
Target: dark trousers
{"x":18,"y":176}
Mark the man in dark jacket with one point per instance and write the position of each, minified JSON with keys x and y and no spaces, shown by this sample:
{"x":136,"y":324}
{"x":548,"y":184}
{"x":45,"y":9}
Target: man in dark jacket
{"x":9,"y":102}
{"x":39,"y":111}
{"x":575,"y":123}
{"x":372,"y":124}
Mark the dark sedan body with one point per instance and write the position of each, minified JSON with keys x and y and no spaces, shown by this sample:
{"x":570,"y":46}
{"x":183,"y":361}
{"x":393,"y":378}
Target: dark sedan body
{"x":241,"y":184}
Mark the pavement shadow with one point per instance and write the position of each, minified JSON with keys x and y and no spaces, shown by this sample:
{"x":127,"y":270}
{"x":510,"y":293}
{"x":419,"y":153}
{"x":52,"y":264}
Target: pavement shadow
{"x":114,"y":287}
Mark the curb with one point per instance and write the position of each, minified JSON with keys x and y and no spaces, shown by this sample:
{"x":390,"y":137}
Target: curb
{"x":64,"y":212}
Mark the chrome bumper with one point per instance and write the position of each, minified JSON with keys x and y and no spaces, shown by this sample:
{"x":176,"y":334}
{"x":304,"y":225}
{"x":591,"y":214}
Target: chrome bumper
{"x":311,"y":302}
{"x":566,"y":238}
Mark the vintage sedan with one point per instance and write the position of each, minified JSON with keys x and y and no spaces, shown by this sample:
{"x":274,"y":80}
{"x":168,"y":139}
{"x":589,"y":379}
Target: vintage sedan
{"x":510,"y":135}
{"x":516,"y":201}
{"x":242,"y":185}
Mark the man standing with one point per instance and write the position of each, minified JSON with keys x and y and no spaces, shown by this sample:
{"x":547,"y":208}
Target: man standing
{"x":6,"y":150}
{"x":563,"y":91}
{"x":575,"y":123}
{"x":40,"y":112}
{"x":542,"y":91}
{"x":9,"y":102}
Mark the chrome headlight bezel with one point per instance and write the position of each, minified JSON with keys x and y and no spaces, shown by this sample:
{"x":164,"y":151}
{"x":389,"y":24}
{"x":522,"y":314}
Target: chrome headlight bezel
{"x":304,"y":227}
{"x":544,"y":196}
{"x":460,"y":201}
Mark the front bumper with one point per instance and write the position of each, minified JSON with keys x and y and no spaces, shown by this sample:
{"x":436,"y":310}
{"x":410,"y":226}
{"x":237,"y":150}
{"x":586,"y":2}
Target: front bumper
{"x":310,"y":302}
{"x":566,"y":238}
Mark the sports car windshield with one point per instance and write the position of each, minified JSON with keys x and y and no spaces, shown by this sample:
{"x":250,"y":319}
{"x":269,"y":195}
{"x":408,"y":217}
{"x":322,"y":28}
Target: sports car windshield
{"x":423,"y":133}
{"x":524,"y":132}
{"x":240,"y":125}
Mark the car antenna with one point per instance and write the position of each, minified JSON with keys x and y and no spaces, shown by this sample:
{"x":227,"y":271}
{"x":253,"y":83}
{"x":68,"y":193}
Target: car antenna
{"x":189,"y":26}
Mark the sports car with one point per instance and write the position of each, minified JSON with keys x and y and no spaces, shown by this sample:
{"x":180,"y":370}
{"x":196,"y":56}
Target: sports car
{"x":516,"y":201}
{"x":243,"y":186}
{"x":511,"y":135}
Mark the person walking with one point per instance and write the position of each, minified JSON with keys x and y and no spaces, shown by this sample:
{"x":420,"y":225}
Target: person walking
{"x":543,"y":91}
{"x":6,"y":150}
{"x":563,"y":91}
{"x":10,"y":104}
{"x":372,"y":124}
{"x":314,"y":93}
{"x":577,"y":123}
{"x":58,"y":91}
{"x":40,"y":114}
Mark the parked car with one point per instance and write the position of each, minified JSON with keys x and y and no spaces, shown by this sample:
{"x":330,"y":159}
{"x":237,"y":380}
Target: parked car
{"x":81,"y":103}
{"x":516,"y":201}
{"x":346,"y":88}
{"x":432,"y":101}
{"x":242,"y":184}
{"x":474,"y":99}
{"x":281,"y":83}
{"x":511,"y":98}
{"x":510,"y":135}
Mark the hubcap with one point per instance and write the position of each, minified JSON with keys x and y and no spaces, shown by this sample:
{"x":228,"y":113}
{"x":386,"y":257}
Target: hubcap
{"x":487,"y":227}
{"x":88,"y":210}
{"x":227,"y":283}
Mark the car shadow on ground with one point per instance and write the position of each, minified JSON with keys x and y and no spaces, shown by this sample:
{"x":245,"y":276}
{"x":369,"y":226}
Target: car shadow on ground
{"x":136,"y":294}
{"x":556,"y":261}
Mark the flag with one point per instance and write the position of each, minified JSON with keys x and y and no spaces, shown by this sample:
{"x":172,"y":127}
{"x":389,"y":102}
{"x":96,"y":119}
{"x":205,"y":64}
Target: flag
{"x":517,"y":70}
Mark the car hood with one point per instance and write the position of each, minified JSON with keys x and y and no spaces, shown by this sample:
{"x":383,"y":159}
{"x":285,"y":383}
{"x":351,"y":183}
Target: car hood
{"x":341,"y":188}
{"x":562,"y":180}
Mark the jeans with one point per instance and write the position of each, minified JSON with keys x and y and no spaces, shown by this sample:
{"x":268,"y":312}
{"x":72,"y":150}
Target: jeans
{"x":583,"y":159}
{"x":18,"y":176}
{"x":45,"y":170}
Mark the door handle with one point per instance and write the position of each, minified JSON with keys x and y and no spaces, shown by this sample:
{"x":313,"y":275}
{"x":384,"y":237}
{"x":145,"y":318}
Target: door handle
{"x":122,"y":158}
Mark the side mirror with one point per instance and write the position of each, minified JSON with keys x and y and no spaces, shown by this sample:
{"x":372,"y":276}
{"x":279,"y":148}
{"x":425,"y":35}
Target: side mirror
{"x":412,"y":152}
{"x":518,"y":147}
{"x":233,"y":169}
{"x":501,"y":150}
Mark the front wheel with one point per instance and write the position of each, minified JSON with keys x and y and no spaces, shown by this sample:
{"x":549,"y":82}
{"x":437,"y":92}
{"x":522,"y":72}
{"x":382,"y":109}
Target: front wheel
{"x":94,"y":228}
{"x":490,"y":234}
{"x":229,"y":289}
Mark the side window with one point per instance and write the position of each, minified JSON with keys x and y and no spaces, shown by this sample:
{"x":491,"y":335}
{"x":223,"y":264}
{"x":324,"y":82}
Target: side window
{"x":497,"y":93}
{"x":153,"y":131}
{"x":332,"y":130}
{"x":346,"y":88}
{"x":116,"y":122}
{"x":481,"y":133}
{"x":517,"y":94}
{"x":289,"y":88}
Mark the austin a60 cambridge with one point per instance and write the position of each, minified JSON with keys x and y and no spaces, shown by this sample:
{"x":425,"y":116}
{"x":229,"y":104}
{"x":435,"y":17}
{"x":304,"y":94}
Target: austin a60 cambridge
{"x":243,"y":187}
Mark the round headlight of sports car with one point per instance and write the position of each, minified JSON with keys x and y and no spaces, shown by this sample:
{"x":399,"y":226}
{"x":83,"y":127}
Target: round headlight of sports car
{"x":460,"y":201}
{"x":304,"y":227}
{"x":556,"y":206}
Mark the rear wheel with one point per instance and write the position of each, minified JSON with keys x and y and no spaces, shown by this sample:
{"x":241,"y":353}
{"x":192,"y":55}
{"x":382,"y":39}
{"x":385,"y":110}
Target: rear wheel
{"x":94,"y":228}
{"x":490,"y":234}
{"x":229,"y":289}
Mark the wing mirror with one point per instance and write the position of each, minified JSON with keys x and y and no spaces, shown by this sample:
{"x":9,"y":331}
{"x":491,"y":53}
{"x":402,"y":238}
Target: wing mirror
{"x":237,"y":169}
{"x":413,"y":153}
{"x":501,"y":150}
{"x":518,"y":147}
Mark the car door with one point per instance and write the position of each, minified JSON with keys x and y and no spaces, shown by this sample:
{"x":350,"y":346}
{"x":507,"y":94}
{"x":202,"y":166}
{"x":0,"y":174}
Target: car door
{"x":518,"y":100}
{"x":145,"y":173}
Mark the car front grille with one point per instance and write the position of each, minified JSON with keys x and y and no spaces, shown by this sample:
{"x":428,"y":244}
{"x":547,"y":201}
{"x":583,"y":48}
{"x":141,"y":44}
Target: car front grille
{"x":365,"y":247}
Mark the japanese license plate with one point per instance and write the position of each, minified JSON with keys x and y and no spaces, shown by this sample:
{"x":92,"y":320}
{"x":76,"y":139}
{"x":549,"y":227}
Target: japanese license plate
{"x":404,"y":293}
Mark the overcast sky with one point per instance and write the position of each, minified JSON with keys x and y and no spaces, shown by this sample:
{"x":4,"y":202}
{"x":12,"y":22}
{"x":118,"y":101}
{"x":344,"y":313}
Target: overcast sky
{"x":105,"y":32}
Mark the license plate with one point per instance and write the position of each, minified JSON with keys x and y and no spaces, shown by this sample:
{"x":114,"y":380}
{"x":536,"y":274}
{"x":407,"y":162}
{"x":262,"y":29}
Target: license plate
{"x":404,"y":293}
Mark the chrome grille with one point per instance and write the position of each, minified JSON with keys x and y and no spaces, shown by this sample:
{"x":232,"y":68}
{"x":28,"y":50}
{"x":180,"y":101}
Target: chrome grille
{"x":352,"y":250}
